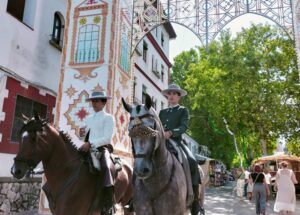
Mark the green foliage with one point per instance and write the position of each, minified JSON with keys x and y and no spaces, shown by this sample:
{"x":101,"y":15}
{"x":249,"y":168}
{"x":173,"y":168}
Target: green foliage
{"x":293,"y":147}
{"x":251,"y":80}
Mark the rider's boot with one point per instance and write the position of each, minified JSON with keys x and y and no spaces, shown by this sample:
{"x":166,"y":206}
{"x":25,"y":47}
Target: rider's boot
{"x":129,"y":207}
{"x":195,"y":209}
{"x":108,"y":203}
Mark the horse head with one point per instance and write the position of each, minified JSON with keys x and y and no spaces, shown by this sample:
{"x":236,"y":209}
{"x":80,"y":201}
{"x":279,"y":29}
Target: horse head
{"x":146,"y":133}
{"x":28,"y":156}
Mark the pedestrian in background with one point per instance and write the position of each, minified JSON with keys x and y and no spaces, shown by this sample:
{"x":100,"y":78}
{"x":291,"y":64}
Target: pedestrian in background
{"x":260,"y":190}
{"x":247,"y":174}
{"x":285,"y":185}
{"x":240,"y":183}
{"x":268,"y":179}
{"x":250,"y":188}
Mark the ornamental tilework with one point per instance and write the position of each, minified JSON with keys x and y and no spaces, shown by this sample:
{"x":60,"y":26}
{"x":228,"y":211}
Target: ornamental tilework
{"x":98,"y":88}
{"x":91,"y":2}
{"x":71,"y":91}
{"x":78,"y":112}
{"x":122,"y":121}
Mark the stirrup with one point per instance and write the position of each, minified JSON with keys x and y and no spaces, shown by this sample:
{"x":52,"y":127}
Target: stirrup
{"x":129,"y":207}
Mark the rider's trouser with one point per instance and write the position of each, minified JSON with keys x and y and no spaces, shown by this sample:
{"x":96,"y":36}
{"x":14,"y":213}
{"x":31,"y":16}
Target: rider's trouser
{"x":108,"y":182}
{"x":106,"y":163}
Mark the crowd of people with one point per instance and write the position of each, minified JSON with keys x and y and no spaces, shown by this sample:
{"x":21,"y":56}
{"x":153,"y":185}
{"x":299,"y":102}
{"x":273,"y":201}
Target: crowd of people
{"x":255,"y":185}
{"x":218,"y":174}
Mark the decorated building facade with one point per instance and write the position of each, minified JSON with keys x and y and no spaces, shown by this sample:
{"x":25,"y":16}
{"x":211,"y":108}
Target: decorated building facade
{"x":38,"y":73}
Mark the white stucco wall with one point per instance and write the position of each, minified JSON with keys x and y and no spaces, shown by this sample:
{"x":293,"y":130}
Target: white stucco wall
{"x":147,"y":68}
{"x":27,"y":51}
{"x":8,"y":160}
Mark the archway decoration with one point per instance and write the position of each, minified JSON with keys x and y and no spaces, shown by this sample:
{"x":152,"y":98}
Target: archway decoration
{"x":206,"y":18}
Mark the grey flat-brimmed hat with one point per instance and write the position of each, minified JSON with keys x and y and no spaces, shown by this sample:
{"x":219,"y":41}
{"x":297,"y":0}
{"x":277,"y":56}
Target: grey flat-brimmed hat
{"x":176,"y":88}
{"x":98,"y":95}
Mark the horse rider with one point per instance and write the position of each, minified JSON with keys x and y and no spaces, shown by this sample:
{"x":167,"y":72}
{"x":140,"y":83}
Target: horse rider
{"x":100,"y":126}
{"x":175,"y":122}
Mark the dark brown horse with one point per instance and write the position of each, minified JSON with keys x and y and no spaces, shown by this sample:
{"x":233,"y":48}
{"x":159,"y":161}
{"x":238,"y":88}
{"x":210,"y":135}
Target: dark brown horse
{"x":70,"y":187}
{"x":160,"y":184}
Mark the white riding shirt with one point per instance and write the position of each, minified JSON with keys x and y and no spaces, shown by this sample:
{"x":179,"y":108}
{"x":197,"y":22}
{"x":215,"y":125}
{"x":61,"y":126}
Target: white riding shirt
{"x":101,"y":126}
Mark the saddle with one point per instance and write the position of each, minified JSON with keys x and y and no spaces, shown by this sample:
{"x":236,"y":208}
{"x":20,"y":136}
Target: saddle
{"x":93,"y":163}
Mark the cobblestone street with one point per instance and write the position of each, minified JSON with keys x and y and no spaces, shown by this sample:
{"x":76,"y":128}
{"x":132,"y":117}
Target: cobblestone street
{"x":223,"y":201}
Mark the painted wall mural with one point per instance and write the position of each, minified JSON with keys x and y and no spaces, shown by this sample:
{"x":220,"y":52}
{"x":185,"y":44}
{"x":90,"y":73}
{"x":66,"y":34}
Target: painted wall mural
{"x":78,"y":112}
{"x":88,"y":38}
{"x":96,"y":57}
{"x":125,"y":46}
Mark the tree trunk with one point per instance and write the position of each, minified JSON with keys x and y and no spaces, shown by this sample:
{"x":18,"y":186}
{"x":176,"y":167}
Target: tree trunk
{"x":262,"y":140}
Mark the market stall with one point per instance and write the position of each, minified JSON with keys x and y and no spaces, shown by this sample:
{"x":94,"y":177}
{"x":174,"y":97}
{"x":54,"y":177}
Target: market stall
{"x":273,"y":164}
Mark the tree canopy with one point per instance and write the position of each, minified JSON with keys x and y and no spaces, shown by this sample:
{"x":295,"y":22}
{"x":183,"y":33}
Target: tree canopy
{"x":252,"y":81}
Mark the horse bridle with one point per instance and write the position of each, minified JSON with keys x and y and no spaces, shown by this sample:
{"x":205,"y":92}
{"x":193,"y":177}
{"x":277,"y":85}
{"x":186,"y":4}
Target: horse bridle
{"x":138,"y":124}
{"x":151,"y":155}
{"x":36,"y":126}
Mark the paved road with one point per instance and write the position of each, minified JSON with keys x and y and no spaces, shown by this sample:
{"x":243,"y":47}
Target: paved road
{"x":223,"y":201}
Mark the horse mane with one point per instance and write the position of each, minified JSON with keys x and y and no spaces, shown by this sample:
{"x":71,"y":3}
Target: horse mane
{"x":159,"y":127}
{"x":156,"y":117}
{"x":67,"y":139}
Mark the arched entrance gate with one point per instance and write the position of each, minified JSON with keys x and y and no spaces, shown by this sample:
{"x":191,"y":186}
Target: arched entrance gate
{"x":206,"y":18}
{"x":100,"y":36}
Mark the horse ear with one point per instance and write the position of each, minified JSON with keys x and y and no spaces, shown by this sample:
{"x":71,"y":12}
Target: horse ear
{"x":25,"y":118}
{"x":36,"y":116}
{"x":148,"y":102}
{"x":127,"y":107}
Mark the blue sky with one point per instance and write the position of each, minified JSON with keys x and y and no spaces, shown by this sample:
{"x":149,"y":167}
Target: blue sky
{"x":186,"y":39}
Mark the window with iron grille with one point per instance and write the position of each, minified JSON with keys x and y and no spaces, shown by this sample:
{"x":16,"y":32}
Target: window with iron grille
{"x":145,"y":49}
{"x":144,"y":93}
{"x":134,"y":86}
{"x":162,"y":72}
{"x":57,"y":32}
{"x":162,"y":39}
{"x":88,"y":44}
{"x":27,"y":107}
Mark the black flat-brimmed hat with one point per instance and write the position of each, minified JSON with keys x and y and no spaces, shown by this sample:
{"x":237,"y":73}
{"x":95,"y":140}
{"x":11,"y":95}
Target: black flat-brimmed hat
{"x":98,"y":95}
{"x":176,"y":88}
